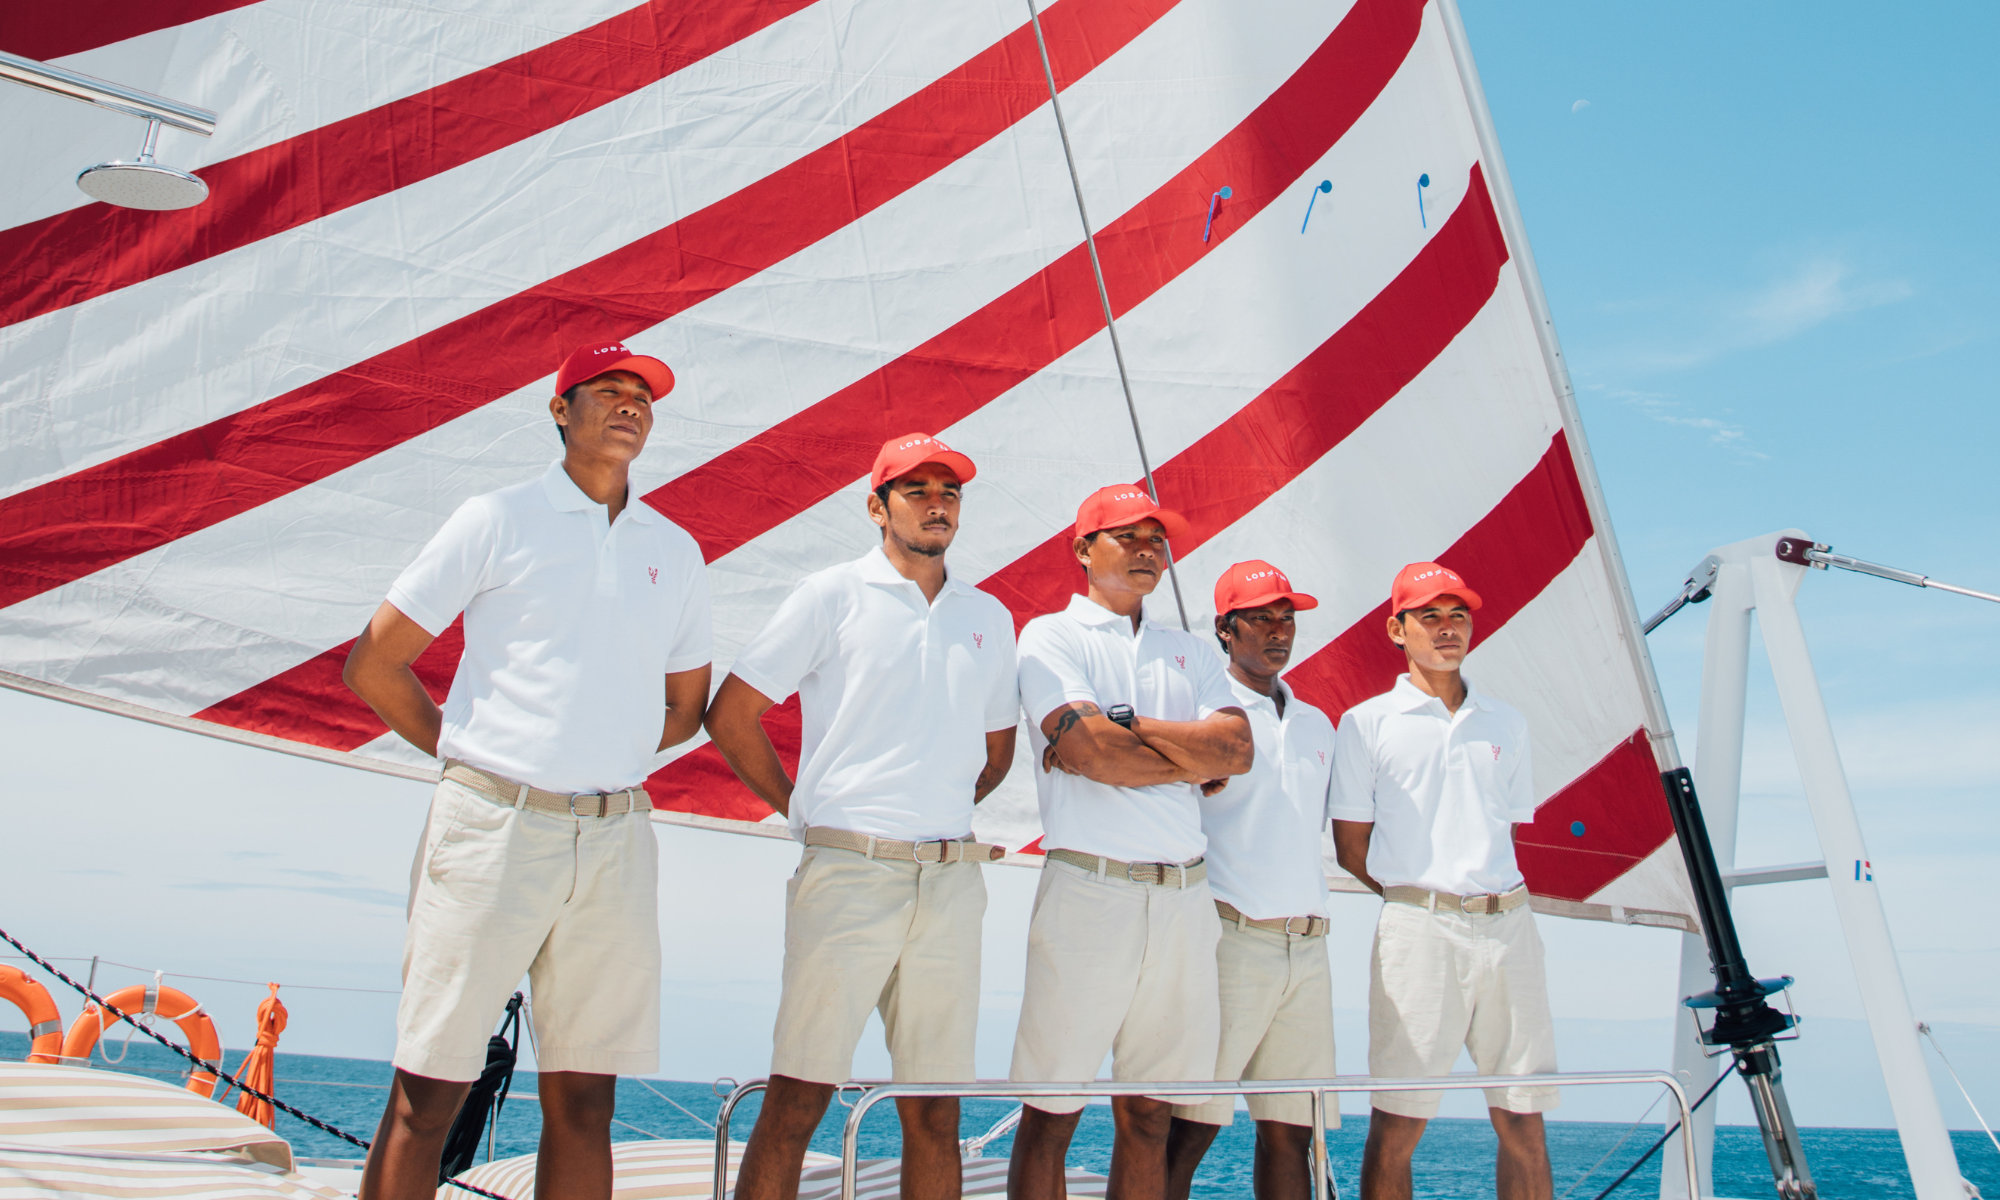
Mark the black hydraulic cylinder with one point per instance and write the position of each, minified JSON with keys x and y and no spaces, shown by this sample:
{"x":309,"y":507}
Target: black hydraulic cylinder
{"x":1742,"y":1014}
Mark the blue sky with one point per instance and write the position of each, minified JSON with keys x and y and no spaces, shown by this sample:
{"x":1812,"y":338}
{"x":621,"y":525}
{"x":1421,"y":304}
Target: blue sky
{"x":1764,"y":235}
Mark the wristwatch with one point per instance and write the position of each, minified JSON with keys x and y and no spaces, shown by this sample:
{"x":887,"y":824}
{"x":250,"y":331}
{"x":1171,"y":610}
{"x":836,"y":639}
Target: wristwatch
{"x":1121,"y":714}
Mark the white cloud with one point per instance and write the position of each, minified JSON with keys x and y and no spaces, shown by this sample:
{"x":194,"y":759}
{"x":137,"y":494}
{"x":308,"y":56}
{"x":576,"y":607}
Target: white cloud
{"x":1818,"y":290}
{"x":1660,"y":407}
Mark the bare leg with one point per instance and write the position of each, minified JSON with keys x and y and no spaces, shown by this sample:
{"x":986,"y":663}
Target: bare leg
{"x":1035,"y":1170}
{"x":1282,"y":1169}
{"x":574,"y":1159}
{"x":791,"y":1112}
{"x":1521,"y":1171}
{"x":931,"y":1169}
{"x":1139,"y":1148}
{"x":1187,"y":1141}
{"x":1385,"y":1160}
{"x":409,"y":1143}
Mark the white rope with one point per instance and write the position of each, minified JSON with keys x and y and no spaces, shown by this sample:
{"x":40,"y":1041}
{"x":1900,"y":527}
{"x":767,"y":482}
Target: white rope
{"x":1924,"y":1027}
{"x":1614,"y":1147}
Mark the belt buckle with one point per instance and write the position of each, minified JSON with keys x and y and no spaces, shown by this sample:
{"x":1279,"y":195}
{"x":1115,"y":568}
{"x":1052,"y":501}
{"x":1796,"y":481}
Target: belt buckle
{"x":1301,"y":933}
{"x":917,"y":852}
{"x":1147,"y":872}
{"x":1489,"y":903}
{"x":603,"y":804}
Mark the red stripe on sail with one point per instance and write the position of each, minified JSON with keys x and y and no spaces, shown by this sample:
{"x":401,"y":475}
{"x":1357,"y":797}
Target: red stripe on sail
{"x":817,"y":451}
{"x":73,"y":256}
{"x":1514,"y":552}
{"x":701,"y":782}
{"x":45,"y":30}
{"x":310,"y":704}
{"x":84,"y":522}
{"x":1599,"y":826}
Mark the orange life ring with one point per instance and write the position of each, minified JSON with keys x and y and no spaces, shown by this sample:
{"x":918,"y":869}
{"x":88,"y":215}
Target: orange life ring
{"x":171,"y":1003}
{"x":44,"y":1019}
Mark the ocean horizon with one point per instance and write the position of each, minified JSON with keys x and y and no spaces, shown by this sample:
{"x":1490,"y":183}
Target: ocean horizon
{"x":1455,"y":1160}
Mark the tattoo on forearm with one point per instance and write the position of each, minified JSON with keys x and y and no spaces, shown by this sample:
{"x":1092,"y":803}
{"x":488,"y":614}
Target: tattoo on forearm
{"x":1069,"y":718}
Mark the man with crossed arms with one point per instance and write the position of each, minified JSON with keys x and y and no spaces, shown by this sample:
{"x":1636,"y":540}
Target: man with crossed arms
{"x":1131,"y":721}
{"x":906,"y":682}
{"x":586,"y":653}
{"x":1264,"y":832}
{"x":1429,"y":780}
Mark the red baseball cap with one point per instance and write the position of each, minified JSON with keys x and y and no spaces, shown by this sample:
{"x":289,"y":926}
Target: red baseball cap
{"x":1420,"y":583}
{"x":1124,"y":504}
{"x":1254,"y":584}
{"x":901,"y":455}
{"x":602,"y":358}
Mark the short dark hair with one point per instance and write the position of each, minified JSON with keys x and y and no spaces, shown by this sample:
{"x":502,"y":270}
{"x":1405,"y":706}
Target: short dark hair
{"x":1228,"y":620}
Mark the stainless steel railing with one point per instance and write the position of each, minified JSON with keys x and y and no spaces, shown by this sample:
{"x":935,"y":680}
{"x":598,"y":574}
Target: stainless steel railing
{"x":875,"y":1091}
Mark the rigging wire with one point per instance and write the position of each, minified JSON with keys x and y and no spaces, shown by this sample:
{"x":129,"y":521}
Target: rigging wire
{"x":109,"y":962}
{"x":1103,"y":292}
{"x":212,"y":1068}
{"x":1924,"y":1027}
{"x":1615,"y":1147}
{"x":1655,"y":1147}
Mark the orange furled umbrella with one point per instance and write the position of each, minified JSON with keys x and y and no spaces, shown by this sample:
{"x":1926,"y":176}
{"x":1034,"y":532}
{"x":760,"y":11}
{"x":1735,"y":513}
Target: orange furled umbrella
{"x":259,"y":1066}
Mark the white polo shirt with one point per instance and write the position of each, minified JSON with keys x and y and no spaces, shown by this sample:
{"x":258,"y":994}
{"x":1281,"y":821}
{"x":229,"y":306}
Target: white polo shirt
{"x":571,"y":621}
{"x":1089,"y":653}
{"x":1265,"y":829}
{"x":1444,"y":789}
{"x":896,"y":696}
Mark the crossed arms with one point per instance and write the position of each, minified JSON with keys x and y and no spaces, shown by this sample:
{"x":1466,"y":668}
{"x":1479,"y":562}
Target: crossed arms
{"x":1083,"y":741}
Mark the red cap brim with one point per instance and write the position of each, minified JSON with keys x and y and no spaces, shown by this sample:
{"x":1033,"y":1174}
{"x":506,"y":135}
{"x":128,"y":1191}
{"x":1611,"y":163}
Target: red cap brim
{"x":1300,"y":601}
{"x":1464,"y":593}
{"x":960,"y":465}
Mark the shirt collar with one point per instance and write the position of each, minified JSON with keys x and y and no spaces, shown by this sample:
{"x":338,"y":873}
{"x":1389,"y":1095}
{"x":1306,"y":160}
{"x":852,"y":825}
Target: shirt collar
{"x":1090,"y":612}
{"x":1252,"y":697}
{"x":565,"y":496}
{"x":875,"y":567}
{"x":1408,"y":697}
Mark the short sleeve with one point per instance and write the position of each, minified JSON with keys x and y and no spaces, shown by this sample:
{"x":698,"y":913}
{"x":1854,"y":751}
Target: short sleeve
{"x":693,"y":645}
{"x":1521,"y":781}
{"x":1214,"y":692}
{"x":792,"y":643}
{"x":1352,"y":795}
{"x":1003,"y":702}
{"x":1052,"y":671}
{"x":450,"y":570}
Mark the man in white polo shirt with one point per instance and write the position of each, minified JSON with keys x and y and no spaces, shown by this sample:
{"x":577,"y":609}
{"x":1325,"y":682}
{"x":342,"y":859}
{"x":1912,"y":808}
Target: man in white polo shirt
{"x":586,"y":653}
{"x":1130,"y":720}
{"x":906,"y":683}
{"x":1264,"y":832}
{"x":1429,"y":780}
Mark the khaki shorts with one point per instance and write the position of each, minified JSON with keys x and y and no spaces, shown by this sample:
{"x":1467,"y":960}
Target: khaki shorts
{"x":1438,"y":981}
{"x":863,"y":934}
{"x":1119,"y":966}
{"x":572,"y":902}
{"x":1277,"y":1023}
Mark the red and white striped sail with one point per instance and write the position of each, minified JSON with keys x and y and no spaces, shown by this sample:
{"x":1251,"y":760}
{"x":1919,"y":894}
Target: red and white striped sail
{"x":226,"y":429}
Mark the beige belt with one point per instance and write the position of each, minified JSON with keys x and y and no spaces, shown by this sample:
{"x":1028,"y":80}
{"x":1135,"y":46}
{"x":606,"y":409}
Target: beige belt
{"x":1165,"y":874}
{"x":1306,"y":926}
{"x":1446,"y":902}
{"x":944,"y":850}
{"x":502,"y":790}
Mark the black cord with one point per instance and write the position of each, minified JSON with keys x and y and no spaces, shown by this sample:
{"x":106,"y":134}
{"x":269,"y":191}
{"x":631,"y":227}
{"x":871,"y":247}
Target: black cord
{"x":212,"y":1068}
{"x":1671,"y":1131}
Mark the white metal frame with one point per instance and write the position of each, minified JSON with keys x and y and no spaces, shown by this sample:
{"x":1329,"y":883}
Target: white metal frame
{"x":874,"y":1092}
{"x":1750,"y":578}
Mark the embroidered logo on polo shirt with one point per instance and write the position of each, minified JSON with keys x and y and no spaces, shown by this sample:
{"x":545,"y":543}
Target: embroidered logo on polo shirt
{"x":979,"y":641}
{"x":1496,"y":753}
{"x":1322,"y":757}
{"x":1180,"y":660}
{"x":654,"y":572}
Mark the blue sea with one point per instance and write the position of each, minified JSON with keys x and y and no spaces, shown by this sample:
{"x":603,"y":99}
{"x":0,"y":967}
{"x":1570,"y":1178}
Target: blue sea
{"x":1455,"y":1160}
